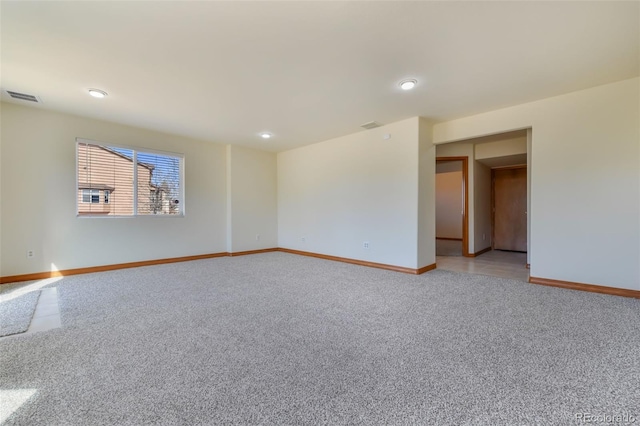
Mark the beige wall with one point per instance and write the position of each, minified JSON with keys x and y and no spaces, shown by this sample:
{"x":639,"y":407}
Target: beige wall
{"x":358,"y":188}
{"x":585,"y":158}
{"x":480,"y":181}
{"x":252,"y":180}
{"x":501,"y":148}
{"x":39,"y":191}
{"x":38,"y":206}
{"x":426,"y":195}
{"x":481,"y":206}
{"x":449,"y":205}
{"x":335,"y":195}
{"x":463,"y":150}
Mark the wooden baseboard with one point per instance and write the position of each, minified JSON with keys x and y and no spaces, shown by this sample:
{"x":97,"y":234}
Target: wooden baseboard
{"x":478,"y":253}
{"x":424,"y":269}
{"x":112,"y":267}
{"x":91,"y":269}
{"x":448,"y":239}
{"x":361,"y":262}
{"x":586,"y":287}
{"x":244,"y":253}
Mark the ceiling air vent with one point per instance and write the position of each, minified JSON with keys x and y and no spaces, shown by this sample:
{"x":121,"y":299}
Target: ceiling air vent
{"x":370,"y":125}
{"x":23,"y":96}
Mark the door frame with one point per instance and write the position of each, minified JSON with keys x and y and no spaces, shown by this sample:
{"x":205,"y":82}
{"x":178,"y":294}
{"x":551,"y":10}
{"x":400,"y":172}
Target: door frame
{"x":493,"y":200}
{"x":465,"y":210}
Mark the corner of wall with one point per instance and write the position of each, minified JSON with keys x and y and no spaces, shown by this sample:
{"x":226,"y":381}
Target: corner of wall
{"x":600,"y":126}
{"x":482,"y":207}
{"x":426,"y":253}
{"x":42,"y":140}
{"x":251,"y":199}
{"x":335,"y":195}
{"x":229,"y":206}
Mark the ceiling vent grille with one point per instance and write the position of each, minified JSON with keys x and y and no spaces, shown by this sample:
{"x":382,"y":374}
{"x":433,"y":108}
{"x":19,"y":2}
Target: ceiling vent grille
{"x":23,"y":96}
{"x":370,"y":125}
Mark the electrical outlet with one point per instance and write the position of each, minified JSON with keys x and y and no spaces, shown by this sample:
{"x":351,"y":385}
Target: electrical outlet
{"x":31,"y":254}
{"x":303,"y":239}
{"x":365,"y":245}
{"x":257,"y":237}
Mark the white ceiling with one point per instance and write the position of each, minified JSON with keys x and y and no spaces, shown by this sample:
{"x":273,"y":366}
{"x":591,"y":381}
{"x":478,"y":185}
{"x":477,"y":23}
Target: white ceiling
{"x":307,"y":71}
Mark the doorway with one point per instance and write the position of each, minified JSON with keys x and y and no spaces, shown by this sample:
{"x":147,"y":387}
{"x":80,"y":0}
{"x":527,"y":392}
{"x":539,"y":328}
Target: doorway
{"x":452,"y":206}
{"x":487,"y":153}
{"x":509,"y":208}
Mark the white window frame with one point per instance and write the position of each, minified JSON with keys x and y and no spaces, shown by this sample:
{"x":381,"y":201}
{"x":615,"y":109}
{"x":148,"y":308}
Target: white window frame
{"x":135,"y":149}
{"x":90,"y":192}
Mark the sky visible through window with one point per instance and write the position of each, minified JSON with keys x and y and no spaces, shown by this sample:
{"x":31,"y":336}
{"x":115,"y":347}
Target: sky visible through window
{"x":153,"y":186}
{"x":165,"y":168}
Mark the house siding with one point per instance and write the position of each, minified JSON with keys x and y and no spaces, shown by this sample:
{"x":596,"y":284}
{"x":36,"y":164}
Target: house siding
{"x":98,"y":168}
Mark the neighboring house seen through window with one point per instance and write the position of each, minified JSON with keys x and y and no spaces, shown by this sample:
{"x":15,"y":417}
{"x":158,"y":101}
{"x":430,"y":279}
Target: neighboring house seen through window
{"x":130,"y":182}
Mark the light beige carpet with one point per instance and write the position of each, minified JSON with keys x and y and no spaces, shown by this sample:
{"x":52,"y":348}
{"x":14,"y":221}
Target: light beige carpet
{"x":280,"y":339}
{"x":16,"y":312}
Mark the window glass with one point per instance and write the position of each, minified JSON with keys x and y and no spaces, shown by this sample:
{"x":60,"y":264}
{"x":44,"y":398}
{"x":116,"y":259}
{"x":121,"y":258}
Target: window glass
{"x":154,"y":186}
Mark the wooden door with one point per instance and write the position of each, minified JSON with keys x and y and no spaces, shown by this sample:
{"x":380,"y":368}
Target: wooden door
{"x":510,"y":209}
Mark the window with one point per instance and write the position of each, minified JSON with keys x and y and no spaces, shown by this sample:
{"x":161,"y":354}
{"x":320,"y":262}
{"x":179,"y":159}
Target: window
{"x":158,"y":184}
{"x":90,"y":196}
{"x":132,"y":182}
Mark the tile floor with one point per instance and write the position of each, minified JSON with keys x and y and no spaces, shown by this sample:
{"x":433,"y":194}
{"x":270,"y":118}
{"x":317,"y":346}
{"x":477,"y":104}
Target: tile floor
{"x":448,"y":248}
{"x":47,"y":314}
{"x":495,"y":263}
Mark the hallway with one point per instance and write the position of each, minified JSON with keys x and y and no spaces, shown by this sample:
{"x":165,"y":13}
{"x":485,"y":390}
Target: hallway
{"x":496,"y":263}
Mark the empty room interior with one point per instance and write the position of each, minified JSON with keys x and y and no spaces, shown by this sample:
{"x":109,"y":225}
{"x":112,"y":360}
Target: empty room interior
{"x":344,"y":212}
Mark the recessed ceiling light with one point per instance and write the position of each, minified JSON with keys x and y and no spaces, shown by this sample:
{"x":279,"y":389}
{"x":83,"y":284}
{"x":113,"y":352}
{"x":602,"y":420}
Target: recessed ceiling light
{"x":97,"y":93}
{"x":408,"y":84}
{"x":265,"y":135}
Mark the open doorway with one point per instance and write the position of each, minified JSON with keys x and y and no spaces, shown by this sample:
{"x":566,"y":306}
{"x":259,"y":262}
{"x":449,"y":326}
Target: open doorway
{"x":498,"y":155}
{"x":452,"y":206}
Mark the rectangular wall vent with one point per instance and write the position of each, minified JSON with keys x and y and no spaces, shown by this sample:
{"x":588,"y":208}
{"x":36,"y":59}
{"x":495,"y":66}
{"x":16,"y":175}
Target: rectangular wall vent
{"x":370,"y":125}
{"x":23,"y":96}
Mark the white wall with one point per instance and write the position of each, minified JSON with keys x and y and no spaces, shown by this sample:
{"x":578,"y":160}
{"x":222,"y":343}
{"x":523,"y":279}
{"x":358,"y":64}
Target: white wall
{"x":39,"y":197}
{"x":585,"y":180}
{"x":342,"y":192}
{"x":449,"y":205}
{"x":482,"y":206}
{"x":252,"y":183}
